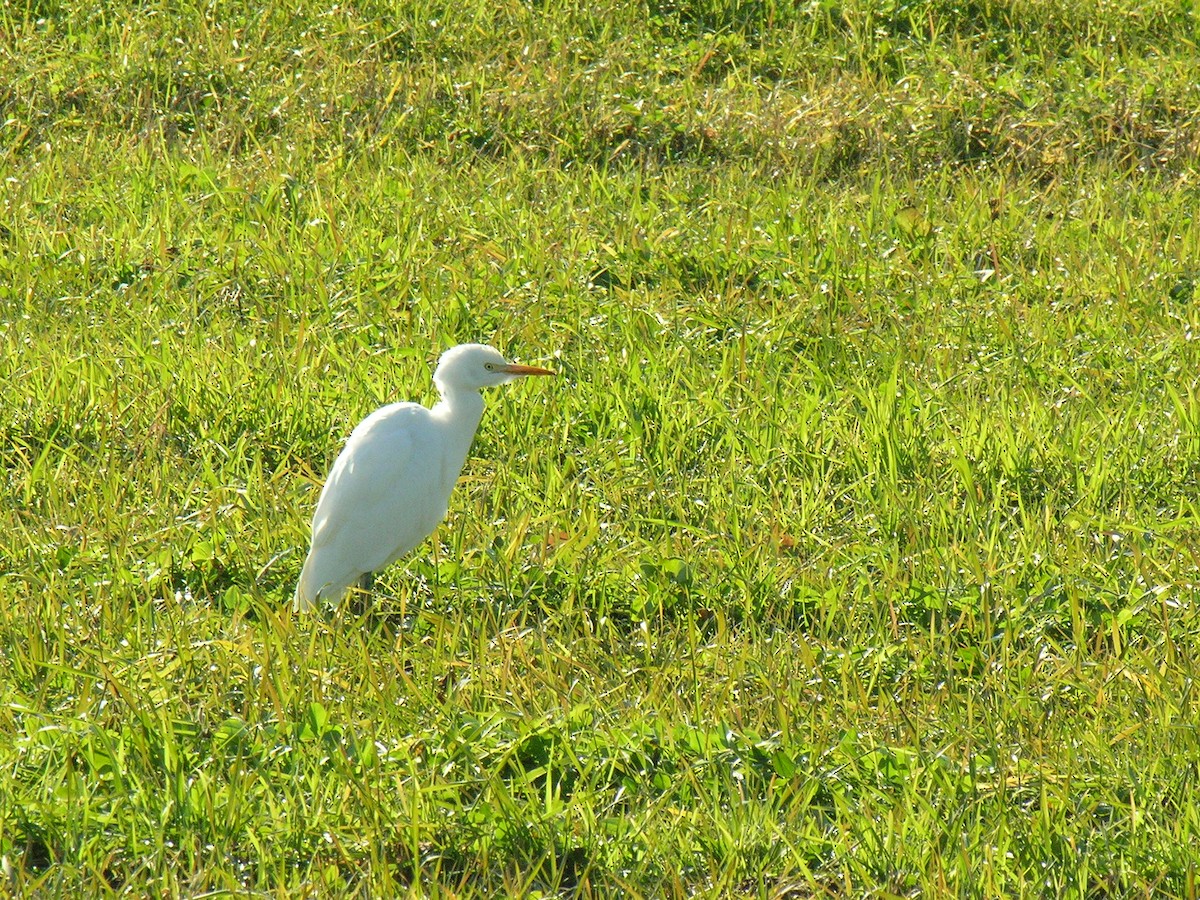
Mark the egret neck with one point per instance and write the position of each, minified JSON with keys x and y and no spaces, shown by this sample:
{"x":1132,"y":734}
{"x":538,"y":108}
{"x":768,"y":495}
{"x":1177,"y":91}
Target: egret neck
{"x":457,"y":415}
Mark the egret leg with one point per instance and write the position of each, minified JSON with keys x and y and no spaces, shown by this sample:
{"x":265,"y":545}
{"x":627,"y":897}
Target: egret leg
{"x":359,"y":601}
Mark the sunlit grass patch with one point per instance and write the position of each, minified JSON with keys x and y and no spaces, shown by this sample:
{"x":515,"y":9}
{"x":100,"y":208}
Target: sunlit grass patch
{"x":853,"y":552}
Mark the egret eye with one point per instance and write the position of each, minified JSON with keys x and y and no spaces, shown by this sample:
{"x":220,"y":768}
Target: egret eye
{"x":491,"y":367}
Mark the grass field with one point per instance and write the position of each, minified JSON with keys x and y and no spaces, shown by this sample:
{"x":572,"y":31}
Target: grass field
{"x":854,"y":553}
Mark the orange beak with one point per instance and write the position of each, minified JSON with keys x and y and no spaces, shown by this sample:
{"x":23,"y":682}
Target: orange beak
{"x":518,"y":369}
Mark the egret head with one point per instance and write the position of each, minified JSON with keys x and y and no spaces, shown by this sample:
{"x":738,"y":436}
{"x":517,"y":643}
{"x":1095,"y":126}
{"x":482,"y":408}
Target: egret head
{"x":472,"y":367}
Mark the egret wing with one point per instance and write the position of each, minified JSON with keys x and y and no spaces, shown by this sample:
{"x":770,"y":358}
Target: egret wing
{"x":381,"y":498}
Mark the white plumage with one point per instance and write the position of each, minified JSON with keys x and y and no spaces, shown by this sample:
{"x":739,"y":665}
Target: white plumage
{"x":390,"y":486}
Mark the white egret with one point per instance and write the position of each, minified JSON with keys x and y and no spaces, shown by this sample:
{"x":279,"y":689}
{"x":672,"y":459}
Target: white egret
{"x":390,"y":486}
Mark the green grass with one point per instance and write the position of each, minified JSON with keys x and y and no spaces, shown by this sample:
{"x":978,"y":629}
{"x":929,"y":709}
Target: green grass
{"x":855,"y":552}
